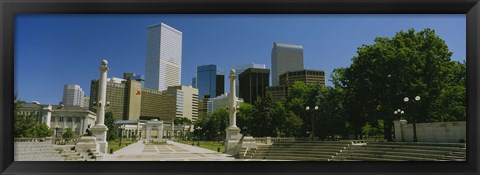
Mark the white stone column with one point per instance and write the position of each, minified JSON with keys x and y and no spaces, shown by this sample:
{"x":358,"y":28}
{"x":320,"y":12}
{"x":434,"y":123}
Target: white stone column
{"x":160,"y":130}
{"x":148,"y":133}
{"x":231,"y":100}
{"x":233,"y":135}
{"x":100,"y":130}
{"x":48,"y":115}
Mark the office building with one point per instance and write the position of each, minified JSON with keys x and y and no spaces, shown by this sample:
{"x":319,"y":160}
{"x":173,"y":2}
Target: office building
{"x":239,"y":69}
{"x":306,"y":76}
{"x":164,"y":57}
{"x":210,"y":81}
{"x":285,"y":57}
{"x":72,"y":95}
{"x":186,"y":101}
{"x":288,"y":79}
{"x":279,"y":93}
{"x":202,"y":107}
{"x":194,"y":82}
{"x":253,"y":82}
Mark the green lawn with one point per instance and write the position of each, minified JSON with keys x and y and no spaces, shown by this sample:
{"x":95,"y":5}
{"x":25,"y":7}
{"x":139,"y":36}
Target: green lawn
{"x":211,"y":145}
{"x":114,"y":145}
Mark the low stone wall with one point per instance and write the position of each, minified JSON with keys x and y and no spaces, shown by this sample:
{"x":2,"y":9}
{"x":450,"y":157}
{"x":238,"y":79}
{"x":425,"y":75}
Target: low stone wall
{"x":445,"y":132}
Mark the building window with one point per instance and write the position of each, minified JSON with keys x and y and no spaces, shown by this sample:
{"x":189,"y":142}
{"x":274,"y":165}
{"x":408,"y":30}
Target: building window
{"x":52,"y":119}
{"x":61,"y":119}
{"x":77,"y":119}
{"x":69,"y":119}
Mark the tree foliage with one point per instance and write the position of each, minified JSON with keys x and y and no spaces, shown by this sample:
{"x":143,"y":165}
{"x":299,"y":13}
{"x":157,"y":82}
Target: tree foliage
{"x":112,"y":133}
{"x":406,"y":65}
{"x":27,"y":125}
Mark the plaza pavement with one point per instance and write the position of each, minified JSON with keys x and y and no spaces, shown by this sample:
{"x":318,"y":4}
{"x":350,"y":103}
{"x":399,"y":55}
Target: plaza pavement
{"x":172,"y":151}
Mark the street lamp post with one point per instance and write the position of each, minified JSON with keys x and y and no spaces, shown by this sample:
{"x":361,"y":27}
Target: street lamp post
{"x":417,"y":99}
{"x":312,"y":117}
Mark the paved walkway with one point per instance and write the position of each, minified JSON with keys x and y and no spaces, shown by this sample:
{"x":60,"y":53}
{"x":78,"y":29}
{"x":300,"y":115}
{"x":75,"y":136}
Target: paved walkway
{"x":172,"y":151}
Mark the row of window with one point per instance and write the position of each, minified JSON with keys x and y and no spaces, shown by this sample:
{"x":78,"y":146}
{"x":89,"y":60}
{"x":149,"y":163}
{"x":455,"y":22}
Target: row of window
{"x":69,"y":119}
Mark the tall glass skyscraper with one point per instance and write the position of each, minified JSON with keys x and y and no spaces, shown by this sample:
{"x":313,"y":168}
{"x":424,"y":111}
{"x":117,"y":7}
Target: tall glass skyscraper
{"x":72,"y":95}
{"x":210,"y":81}
{"x":285,"y":57}
{"x":164,"y":57}
{"x":239,"y":69}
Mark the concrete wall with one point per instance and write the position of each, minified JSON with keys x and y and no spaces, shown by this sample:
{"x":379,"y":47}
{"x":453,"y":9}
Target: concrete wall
{"x":445,"y":132}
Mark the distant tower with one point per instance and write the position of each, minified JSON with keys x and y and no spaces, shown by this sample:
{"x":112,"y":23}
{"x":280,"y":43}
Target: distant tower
{"x":253,"y":83}
{"x":72,"y":95}
{"x":285,"y":57}
{"x":239,"y":69}
{"x":210,"y":81}
{"x":164,"y":57}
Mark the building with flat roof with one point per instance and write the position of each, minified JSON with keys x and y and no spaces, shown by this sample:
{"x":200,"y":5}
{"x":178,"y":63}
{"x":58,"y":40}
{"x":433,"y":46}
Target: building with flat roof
{"x":239,"y":69}
{"x":288,"y":79}
{"x":164,"y":57}
{"x":210,"y":81}
{"x":186,"y":101}
{"x":62,"y":117}
{"x":279,"y":93}
{"x":72,"y":95}
{"x":285,"y":57}
{"x":306,"y":76}
{"x":253,"y":82}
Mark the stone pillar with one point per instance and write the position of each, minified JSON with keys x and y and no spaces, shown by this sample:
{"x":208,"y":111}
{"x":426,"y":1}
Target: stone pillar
{"x":48,"y":115}
{"x":138,"y":130}
{"x":148,"y":133}
{"x":160,"y":131}
{"x":100,"y":130}
{"x":233,"y":135}
{"x":398,"y":125}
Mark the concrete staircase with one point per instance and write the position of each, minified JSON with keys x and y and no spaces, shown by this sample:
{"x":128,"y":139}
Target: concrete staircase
{"x":317,"y":151}
{"x":357,"y":151}
{"x":69,"y":154}
{"x":403,"y":151}
{"x":36,"y":151}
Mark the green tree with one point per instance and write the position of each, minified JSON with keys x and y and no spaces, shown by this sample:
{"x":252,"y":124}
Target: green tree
{"x":406,"y":65}
{"x":42,"y":130}
{"x":68,"y":135}
{"x":112,"y":133}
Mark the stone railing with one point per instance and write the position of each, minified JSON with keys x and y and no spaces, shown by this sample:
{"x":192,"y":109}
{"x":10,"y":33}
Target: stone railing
{"x":31,"y":139}
{"x":271,"y":140}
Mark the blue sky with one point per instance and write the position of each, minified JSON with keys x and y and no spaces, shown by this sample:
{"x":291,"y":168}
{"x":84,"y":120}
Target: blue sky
{"x":54,"y":50}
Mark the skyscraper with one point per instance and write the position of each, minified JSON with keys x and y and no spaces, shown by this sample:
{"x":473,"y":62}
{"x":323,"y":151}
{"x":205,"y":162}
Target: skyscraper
{"x":285,"y":57}
{"x":239,"y":69}
{"x":72,"y":95}
{"x":164,"y":57}
{"x":253,"y":83}
{"x":194,"y":82}
{"x":210,"y":81}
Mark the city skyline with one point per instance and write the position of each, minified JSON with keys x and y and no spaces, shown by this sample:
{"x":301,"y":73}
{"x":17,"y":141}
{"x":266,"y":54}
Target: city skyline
{"x":323,"y":49}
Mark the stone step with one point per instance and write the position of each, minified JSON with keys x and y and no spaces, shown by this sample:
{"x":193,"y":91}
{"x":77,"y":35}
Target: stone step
{"x":299,"y":152}
{"x":398,"y":157}
{"x":360,"y":158}
{"x":397,"y":150}
{"x":412,"y":147}
{"x":459,"y":145}
{"x":385,"y":153}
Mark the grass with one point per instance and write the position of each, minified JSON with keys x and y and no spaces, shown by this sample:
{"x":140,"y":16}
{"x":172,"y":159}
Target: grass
{"x":113,"y":144}
{"x":211,"y":145}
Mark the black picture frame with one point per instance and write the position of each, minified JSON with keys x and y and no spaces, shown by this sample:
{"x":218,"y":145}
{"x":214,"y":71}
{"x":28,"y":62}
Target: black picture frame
{"x":9,"y":8}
